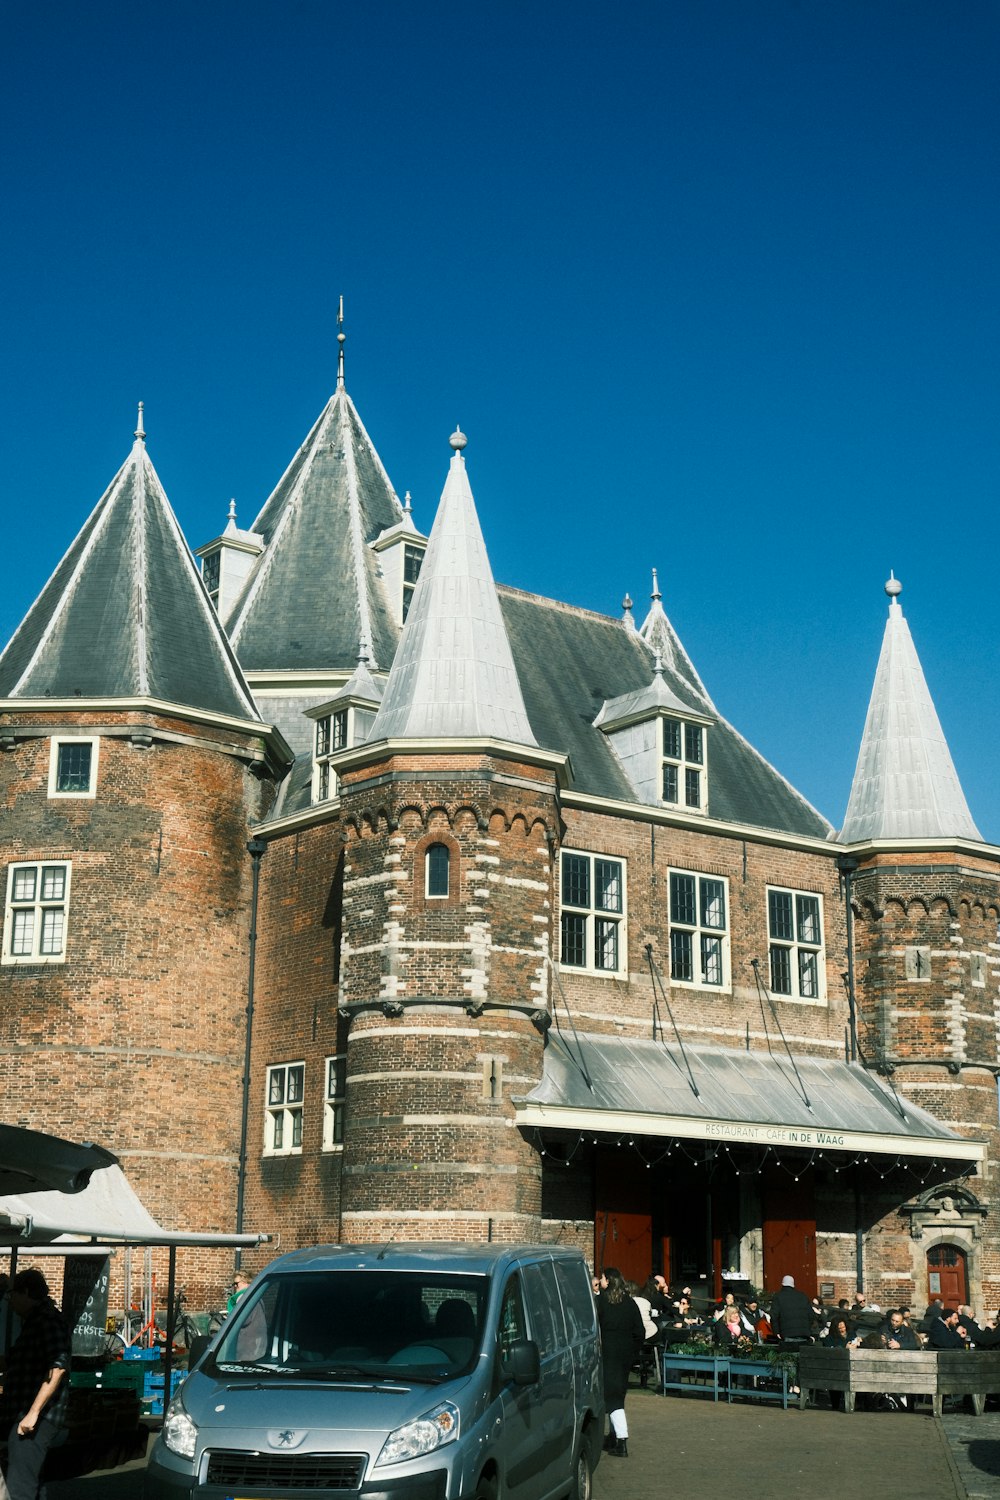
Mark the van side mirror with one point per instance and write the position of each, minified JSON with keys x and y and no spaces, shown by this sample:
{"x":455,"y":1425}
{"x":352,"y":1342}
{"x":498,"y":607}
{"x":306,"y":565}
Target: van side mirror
{"x":522,"y":1364}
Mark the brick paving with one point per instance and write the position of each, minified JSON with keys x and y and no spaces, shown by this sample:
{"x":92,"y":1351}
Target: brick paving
{"x":689,"y":1448}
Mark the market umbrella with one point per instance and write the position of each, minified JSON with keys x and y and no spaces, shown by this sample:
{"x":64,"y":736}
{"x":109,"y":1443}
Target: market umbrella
{"x":31,"y":1162}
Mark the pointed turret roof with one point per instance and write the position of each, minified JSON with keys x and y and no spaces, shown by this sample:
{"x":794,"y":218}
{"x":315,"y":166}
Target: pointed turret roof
{"x":454,"y":674}
{"x":661,"y":638}
{"x":125,"y":614}
{"x":315,"y":589}
{"x":905,"y":785}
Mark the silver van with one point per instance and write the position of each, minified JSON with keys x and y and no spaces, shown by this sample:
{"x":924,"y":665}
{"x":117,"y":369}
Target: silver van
{"x":395,"y":1372}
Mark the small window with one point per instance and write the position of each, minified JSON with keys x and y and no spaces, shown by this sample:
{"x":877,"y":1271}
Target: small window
{"x":332,"y":733}
{"x":437,"y":867}
{"x":283,"y":1113}
{"x":593,"y":910}
{"x":35,"y":915}
{"x":795,"y":929}
{"x":699,"y":930}
{"x":333,"y":1105}
{"x":73,"y":767}
{"x":412,"y":558}
{"x":683,"y":770}
{"x":211,"y":567}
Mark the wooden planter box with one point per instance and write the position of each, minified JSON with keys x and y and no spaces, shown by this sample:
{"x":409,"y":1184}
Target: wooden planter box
{"x":903,"y":1372}
{"x":712,"y":1374}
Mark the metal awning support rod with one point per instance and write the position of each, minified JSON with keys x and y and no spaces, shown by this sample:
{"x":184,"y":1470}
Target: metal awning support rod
{"x":569,"y":1016}
{"x":762,"y":989}
{"x":657,"y":979}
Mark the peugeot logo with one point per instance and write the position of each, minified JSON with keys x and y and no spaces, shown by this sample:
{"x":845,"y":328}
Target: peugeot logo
{"x":286,"y":1437}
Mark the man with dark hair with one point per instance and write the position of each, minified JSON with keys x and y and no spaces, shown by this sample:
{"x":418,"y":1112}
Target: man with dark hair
{"x":896,"y":1333}
{"x":35,"y":1383}
{"x":946,"y":1332}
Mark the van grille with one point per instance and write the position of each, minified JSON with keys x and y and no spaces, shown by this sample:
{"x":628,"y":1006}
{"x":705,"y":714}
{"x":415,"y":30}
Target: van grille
{"x":290,"y":1471}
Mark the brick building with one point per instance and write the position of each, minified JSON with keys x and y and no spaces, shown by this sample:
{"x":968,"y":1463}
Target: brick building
{"x":528,"y":940}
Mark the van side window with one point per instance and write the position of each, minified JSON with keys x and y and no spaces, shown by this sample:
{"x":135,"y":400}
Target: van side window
{"x":512,"y":1327}
{"x":577,"y":1299}
{"x":543,"y":1307}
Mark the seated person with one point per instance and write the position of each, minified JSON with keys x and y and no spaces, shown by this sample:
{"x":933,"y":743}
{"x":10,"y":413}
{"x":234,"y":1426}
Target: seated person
{"x":729,"y":1328}
{"x":946,"y":1332}
{"x":896,"y":1333}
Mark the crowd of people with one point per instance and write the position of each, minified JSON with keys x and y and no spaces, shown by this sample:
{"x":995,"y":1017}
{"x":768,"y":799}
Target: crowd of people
{"x":636,"y":1319}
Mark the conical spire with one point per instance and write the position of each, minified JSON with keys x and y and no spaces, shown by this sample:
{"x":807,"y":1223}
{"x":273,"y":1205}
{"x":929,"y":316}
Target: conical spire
{"x":125,"y":614}
{"x":315,"y":589}
{"x":663,"y":641}
{"x":905,"y":785}
{"x":454,"y":674}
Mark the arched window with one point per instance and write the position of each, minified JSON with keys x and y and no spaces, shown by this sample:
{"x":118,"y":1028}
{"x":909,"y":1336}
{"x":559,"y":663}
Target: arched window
{"x":437,"y":870}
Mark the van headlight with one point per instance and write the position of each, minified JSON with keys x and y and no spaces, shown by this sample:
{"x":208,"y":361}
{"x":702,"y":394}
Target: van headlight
{"x":424,"y":1435}
{"x":179,"y":1432}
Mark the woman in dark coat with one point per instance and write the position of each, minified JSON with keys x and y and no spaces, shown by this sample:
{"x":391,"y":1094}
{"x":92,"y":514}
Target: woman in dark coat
{"x":622,"y":1335}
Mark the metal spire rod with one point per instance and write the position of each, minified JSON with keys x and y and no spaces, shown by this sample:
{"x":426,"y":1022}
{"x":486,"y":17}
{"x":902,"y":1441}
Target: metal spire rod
{"x":657,"y":979}
{"x":341,"y":340}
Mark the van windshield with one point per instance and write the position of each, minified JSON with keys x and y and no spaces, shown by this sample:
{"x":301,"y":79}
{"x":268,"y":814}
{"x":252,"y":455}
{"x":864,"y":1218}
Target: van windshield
{"x":384,"y":1324}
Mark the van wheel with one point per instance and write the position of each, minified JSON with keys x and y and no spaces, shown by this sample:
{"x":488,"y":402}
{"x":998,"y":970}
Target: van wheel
{"x":486,"y":1488}
{"x":583,"y":1478}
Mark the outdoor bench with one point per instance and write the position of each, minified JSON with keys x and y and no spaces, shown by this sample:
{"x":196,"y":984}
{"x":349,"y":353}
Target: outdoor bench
{"x":905,"y":1372}
{"x":682,"y":1372}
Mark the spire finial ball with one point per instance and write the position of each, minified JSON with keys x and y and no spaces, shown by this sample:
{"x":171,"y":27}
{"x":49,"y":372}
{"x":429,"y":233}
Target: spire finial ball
{"x":893,"y":588}
{"x":458,"y":440}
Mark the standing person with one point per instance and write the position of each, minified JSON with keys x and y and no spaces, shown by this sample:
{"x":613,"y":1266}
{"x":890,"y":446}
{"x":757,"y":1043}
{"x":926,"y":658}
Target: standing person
{"x":621,"y":1339}
{"x":35,"y":1384}
{"x":240,"y":1283}
{"x":791,"y":1313}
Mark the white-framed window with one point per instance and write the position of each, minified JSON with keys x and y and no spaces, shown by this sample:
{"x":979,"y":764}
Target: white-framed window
{"x":795,"y":936}
{"x":592,"y":932}
{"x":73,"y":766}
{"x":331,"y":733}
{"x":34,"y":928}
{"x":211,"y":572}
{"x":699,"y":929}
{"x":283,"y":1112}
{"x":684,"y":767}
{"x":412,"y":559}
{"x":333,"y":1102}
{"x":437,"y":872}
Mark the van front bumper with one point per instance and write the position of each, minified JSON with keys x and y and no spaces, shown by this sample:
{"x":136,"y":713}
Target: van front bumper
{"x":168,"y":1484}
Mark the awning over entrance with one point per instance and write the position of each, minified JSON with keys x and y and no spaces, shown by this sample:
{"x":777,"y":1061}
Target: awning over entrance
{"x":611,"y":1085}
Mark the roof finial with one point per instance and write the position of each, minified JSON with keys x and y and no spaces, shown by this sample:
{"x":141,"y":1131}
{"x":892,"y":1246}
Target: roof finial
{"x":656,"y":588}
{"x":341,"y":340}
{"x":627,"y":611}
{"x":893,"y":588}
{"x":140,"y":431}
{"x":407,"y":503}
{"x":232,"y":511}
{"x":658,"y":665}
{"x":363,"y":649}
{"x":458,"y":439}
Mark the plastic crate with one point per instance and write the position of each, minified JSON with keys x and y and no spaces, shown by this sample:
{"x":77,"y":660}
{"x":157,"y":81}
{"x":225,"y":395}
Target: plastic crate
{"x":154,"y":1384}
{"x":136,"y":1351}
{"x":85,"y":1380}
{"x":124,"y":1376}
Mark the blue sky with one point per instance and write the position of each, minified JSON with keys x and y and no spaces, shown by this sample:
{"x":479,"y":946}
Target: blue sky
{"x":711,"y":286}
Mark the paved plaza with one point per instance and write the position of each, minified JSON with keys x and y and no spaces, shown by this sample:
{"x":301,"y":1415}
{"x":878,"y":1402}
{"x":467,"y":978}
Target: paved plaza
{"x":692,"y":1448}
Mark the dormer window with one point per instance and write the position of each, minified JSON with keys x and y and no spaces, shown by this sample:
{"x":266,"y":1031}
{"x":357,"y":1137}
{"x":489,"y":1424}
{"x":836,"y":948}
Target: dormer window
{"x":211,"y":567}
{"x":412,"y":558}
{"x":683,"y":771}
{"x":331,"y":732}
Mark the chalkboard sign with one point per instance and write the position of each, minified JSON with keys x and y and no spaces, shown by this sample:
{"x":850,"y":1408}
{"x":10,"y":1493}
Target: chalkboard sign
{"x":85,"y":1301}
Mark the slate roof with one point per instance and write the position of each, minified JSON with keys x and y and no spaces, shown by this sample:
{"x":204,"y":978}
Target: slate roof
{"x":453,"y":675}
{"x":315,"y":591}
{"x":570,"y":661}
{"x":125,"y":614}
{"x":624,"y":1076}
{"x":905,"y":784}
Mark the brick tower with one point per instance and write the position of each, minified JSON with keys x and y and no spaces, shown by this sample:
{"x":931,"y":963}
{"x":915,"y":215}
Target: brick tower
{"x":926,"y":904}
{"x":449,"y":816}
{"x":134,"y":765}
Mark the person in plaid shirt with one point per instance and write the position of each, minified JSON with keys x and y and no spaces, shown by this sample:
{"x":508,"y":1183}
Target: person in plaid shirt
{"x":35,"y":1384}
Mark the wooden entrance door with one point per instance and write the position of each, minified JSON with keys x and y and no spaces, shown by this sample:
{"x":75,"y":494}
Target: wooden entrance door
{"x":789,"y":1231}
{"x":947,"y":1275}
{"x":626,"y":1241}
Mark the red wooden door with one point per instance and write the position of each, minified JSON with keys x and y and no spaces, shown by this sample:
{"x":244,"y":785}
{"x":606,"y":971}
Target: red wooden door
{"x":947,"y":1280}
{"x":626,"y":1241}
{"x":789,"y":1232}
